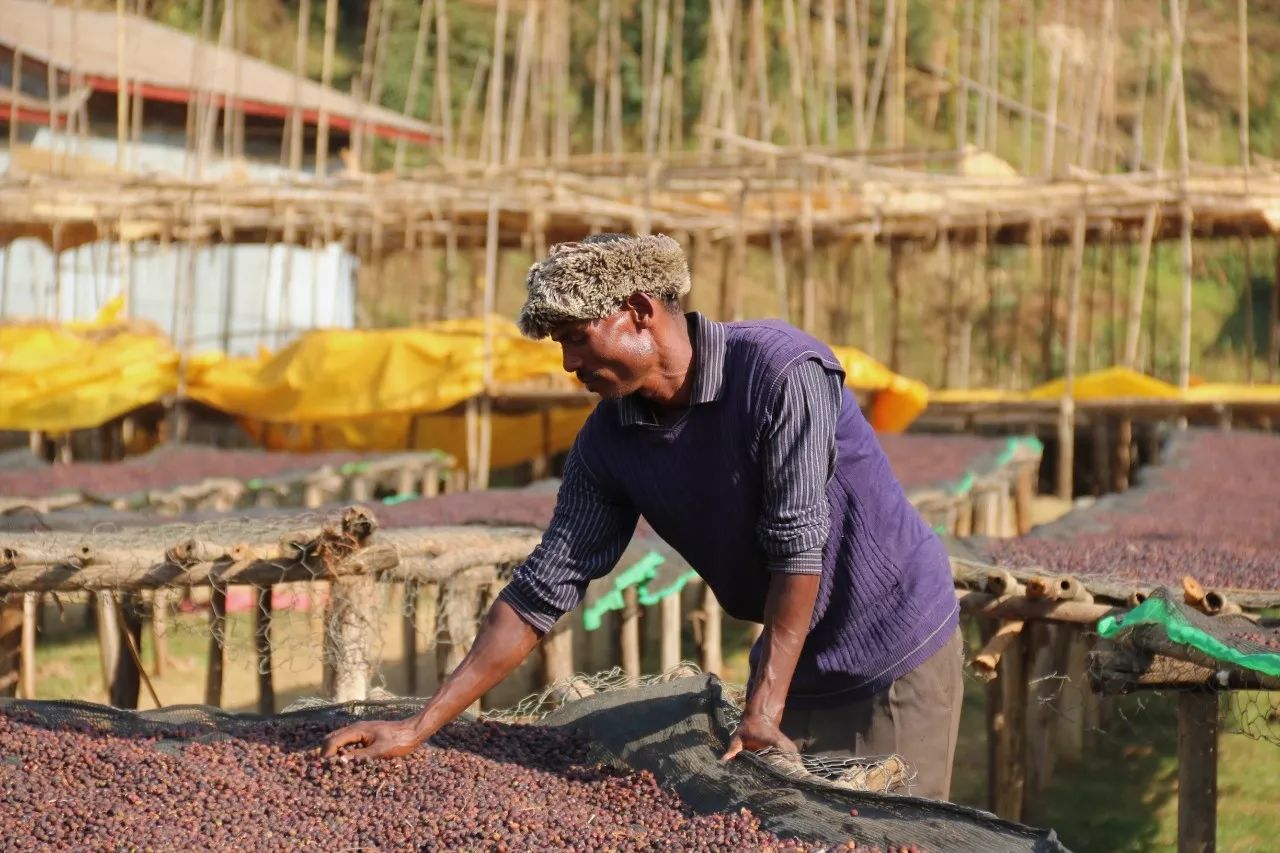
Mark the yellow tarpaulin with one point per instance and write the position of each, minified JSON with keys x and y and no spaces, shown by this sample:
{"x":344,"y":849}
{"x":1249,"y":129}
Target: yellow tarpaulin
{"x":341,"y":375}
{"x":1118,"y":383}
{"x":76,"y":376}
{"x":898,"y":400}
{"x":369,"y":389}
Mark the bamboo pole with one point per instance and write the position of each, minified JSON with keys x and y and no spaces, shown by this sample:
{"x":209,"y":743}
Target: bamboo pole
{"x":520,"y":86}
{"x":296,"y":125}
{"x":795,"y":77}
{"x":887,"y":44}
{"x":1184,"y":342}
{"x":415,"y":74}
{"x":122,"y":90}
{"x":27,"y":653}
{"x":712,"y":660}
{"x":964,"y":60}
{"x":629,"y":634}
{"x":855,"y":29}
{"x":217,"y":645}
{"x":443,"y":111}
{"x":1273,"y":359}
{"x":598,"y":87}
{"x":326,"y":82}
{"x":1242,"y":60}
{"x":1138,"y":288}
{"x":1066,"y":415}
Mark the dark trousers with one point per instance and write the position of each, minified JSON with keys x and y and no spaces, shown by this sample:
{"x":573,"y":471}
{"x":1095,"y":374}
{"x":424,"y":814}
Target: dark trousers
{"x":916,"y":718}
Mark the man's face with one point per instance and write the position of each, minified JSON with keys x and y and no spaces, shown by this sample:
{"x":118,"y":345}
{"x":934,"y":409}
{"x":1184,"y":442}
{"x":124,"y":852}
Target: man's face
{"x":611,"y":357}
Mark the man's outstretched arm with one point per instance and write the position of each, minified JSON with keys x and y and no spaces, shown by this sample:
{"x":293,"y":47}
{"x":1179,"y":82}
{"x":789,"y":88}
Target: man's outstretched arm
{"x":586,"y":536}
{"x":797,"y":453}
{"x":503,"y":642}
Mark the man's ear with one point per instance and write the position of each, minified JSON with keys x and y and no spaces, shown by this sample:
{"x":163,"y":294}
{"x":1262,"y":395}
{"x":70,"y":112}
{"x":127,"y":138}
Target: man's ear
{"x":643,"y":309}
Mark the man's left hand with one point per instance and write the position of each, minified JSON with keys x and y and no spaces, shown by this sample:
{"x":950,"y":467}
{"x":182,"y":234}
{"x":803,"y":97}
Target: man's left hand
{"x":757,"y":732}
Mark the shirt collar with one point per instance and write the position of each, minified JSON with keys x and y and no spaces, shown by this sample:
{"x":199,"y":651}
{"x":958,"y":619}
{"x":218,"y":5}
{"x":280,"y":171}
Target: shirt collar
{"x":708,"y":340}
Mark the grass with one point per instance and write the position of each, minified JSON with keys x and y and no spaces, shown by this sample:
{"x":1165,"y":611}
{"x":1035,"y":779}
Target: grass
{"x":1122,"y":795}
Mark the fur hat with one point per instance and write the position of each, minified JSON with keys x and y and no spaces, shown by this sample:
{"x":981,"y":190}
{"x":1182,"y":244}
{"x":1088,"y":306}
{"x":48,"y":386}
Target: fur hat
{"x":590,"y":280}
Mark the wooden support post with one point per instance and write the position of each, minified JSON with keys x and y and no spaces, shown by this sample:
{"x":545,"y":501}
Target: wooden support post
{"x":1071,"y":658}
{"x":460,"y":610}
{"x":126,"y":682}
{"x":1123,"y":437}
{"x":108,"y":637}
{"x":27,"y":656}
{"x":712,"y":660}
{"x":557,"y":653}
{"x":409,"y":636}
{"x":986,"y":511}
{"x":1197,"y":772}
{"x":1007,"y":709}
{"x":629,"y":633}
{"x":349,"y":636}
{"x":217,"y":646}
{"x":1024,"y":486}
{"x":670,"y":655}
{"x":964,"y":517}
{"x":262,"y":617}
{"x":1101,"y":454}
{"x":10,"y":644}
{"x":1039,"y":699}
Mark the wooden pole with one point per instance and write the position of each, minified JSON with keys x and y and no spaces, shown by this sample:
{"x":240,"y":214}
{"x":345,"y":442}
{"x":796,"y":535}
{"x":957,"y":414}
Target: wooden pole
{"x":1242,"y":59}
{"x":1007,"y":710}
{"x":520,"y":86}
{"x":415,"y":74}
{"x":27,"y":655}
{"x":11,"y":628}
{"x":262,"y":618}
{"x":443,"y":93}
{"x":122,"y":89}
{"x":108,"y":637}
{"x":557,"y":653}
{"x":1066,"y":415}
{"x":1197,"y":771}
{"x":1184,"y":342}
{"x":712,"y":660}
{"x":1273,"y":359}
{"x":159,"y":632}
{"x":629,"y":633}
{"x":599,"y":78}
{"x":671,"y":624}
{"x":349,"y":637}
{"x":126,"y":683}
{"x":897,"y":286}
{"x":326,"y":82}
{"x":217,"y":645}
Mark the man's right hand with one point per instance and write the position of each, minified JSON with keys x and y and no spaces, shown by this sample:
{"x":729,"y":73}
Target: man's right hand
{"x":504,"y":640}
{"x":373,"y":740}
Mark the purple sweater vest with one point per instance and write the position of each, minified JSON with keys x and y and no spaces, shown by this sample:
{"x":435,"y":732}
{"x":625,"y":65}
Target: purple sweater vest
{"x":886,"y":600}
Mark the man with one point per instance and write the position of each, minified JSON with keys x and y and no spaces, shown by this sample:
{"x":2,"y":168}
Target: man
{"x":741,"y":447}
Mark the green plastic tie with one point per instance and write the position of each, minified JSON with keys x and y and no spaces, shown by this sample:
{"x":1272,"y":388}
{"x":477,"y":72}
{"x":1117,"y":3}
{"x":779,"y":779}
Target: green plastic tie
{"x":1154,"y":611}
{"x":639,"y":575}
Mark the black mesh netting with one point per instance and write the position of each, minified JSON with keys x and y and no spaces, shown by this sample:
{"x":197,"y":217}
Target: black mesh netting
{"x":675,"y":730}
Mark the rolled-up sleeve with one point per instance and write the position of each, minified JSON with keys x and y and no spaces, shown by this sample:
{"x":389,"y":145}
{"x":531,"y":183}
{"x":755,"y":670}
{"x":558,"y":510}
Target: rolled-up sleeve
{"x":798,"y":451}
{"x":588,"y":533}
